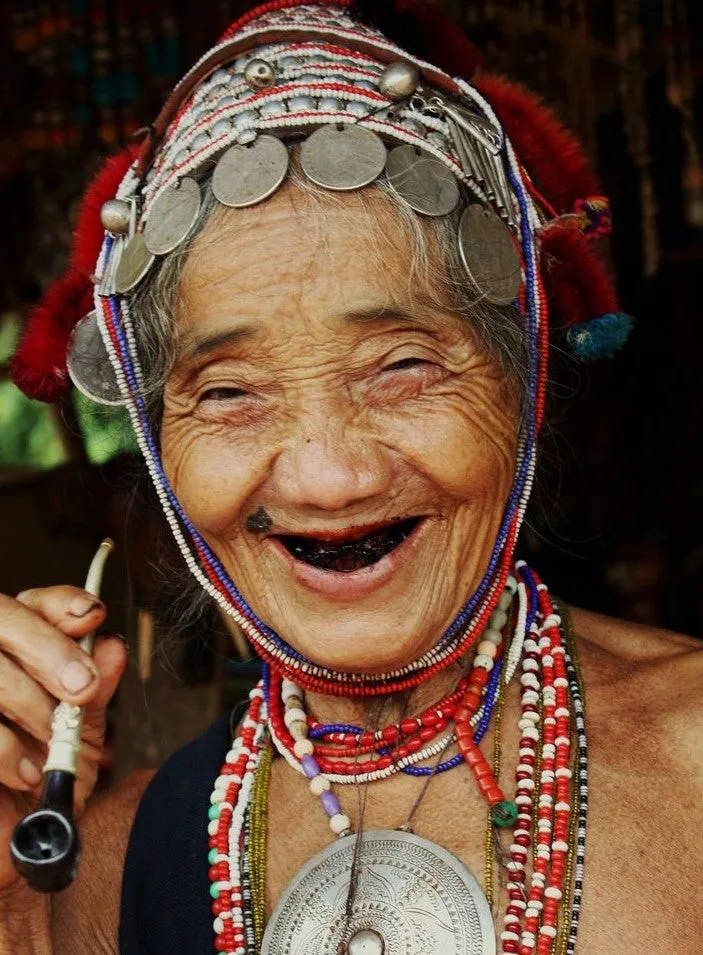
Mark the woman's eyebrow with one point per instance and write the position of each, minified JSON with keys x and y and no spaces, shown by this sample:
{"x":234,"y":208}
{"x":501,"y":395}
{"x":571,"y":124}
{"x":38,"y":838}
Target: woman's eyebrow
{"x":392,"y":314}
{"x":194,"y":346}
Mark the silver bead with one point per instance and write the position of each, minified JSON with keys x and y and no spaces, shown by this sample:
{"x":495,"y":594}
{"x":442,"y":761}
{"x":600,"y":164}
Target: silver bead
{"x":399,"y":80}
{"x":276,"y":108}
{"x":219,"y":78}
{"x":221,"y":127}
{"x":114,"y":216}
{"x":259,"y":74}
{"x":301,"y":104}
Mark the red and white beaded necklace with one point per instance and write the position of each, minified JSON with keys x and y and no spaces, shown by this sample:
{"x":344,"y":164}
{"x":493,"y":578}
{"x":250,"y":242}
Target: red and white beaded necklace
{"x":544,"y":818}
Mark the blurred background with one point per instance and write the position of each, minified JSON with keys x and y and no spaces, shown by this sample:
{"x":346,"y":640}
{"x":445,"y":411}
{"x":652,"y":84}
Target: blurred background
{"x":616,"y":524}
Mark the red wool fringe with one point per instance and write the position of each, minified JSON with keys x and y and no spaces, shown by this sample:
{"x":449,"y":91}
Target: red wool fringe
{"x":575,"y":278}
{"x":38,"y":367}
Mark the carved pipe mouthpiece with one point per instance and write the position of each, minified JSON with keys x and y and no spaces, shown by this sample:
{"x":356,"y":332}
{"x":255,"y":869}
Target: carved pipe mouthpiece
{"x":45,"y":844}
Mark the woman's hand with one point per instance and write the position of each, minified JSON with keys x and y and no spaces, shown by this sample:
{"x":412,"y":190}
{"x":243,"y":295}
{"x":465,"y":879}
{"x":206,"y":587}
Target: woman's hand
{"x":40,"y":663}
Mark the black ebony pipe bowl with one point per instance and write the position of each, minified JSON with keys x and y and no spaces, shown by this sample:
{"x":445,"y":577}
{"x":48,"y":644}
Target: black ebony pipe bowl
{"x":45,"y":846}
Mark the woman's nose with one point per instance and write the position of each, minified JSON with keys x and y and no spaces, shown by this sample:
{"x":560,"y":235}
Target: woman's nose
{"x":332,"y":468}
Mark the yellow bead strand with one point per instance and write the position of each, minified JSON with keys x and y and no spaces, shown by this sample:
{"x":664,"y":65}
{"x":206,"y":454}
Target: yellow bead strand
{"x":259,"y":837}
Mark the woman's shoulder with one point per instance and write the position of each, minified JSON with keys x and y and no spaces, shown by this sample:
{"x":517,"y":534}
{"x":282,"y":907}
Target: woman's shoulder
{"x":637,"y":673}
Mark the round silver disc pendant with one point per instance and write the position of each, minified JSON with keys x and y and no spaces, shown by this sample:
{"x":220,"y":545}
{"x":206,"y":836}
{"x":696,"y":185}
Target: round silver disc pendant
{"x":422,"y":181}
{"x":246,"y":175}
{"x":343,"y":157}
{"x":89,"y":364}
{"x":413,"y":897}
{"x":135,"y":262}
{"x":172,"y":216}
{"x":488,"y":251}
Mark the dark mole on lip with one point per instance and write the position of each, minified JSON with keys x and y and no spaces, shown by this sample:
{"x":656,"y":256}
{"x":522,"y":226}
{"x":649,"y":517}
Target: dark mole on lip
{"x":259,"y":522}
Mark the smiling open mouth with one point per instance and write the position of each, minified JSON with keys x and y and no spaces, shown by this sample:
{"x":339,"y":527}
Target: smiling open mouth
{"x":351,"y":553}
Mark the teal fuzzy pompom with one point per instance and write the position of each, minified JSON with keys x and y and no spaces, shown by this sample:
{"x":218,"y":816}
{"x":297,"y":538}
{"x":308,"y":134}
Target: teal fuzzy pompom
{"x":600,"y":337}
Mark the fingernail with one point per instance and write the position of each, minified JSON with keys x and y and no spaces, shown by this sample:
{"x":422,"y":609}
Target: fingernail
{"x":81,"y":606}
{"x":123,"y":640}
{"x":76,"y":677}
{"x":29,"y":772}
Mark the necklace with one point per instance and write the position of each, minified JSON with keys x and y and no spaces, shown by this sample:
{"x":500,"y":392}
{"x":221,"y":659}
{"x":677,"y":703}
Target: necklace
{"x":543,"y":884}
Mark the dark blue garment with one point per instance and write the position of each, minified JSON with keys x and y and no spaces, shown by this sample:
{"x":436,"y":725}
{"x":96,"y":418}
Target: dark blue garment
{"x":166,"y":899}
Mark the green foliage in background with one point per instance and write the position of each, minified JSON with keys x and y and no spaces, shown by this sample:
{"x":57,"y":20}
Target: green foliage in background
{"x":29,"y":435}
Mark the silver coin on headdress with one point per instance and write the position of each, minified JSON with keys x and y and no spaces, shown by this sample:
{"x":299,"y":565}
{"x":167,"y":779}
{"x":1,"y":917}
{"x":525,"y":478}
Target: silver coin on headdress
{"x":135,"y":262}
{"x":489,"y":255}
{"x":172,"y":216}
{"x":422,"y":181}
{"x":89,"y":364}
{"x":248,"y":174}
{"x":343,"y":157}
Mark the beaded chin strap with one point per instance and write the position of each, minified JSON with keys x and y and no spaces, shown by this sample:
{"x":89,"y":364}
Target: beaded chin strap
{"x":360,"y":109}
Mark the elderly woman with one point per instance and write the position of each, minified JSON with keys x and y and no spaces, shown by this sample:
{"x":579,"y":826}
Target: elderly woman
{"x":322,"y":293}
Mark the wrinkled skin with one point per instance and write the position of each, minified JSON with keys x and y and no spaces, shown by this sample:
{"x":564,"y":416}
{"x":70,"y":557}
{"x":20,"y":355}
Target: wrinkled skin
{"x":316,"y":380}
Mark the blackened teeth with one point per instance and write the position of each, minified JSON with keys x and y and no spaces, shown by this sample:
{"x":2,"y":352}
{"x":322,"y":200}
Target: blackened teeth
{"x":346,"y":557}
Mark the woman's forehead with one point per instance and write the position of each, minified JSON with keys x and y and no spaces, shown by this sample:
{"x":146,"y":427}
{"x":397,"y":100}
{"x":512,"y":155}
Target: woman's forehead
{"x":297,"y":245}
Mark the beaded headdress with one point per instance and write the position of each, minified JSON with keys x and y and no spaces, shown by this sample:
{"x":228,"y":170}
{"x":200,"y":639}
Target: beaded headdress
{"x":360,"y":108}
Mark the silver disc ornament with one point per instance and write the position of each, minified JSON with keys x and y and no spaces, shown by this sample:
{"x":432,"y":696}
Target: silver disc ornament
{"x":172,"y":217}
{"x":89,"y":364}
{"x":489,"y":254}
{"x":343,"y":157}
{"x":247,"y":174}
{"x":412,"y":898}
{"x":135,"y":262}
{"x":422,"y":181}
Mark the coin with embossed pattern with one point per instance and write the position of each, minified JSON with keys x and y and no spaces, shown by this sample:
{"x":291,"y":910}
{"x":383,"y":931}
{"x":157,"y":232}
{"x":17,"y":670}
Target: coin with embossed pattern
{"x":343,"y":157}
{"x":412,"y":897}
{"x":135,"y":262}
{"x":489,"y":254}
{"x":248,"y":174}
{"x":172,"y":216}
{"x":89,"y":364}
{"x":422,"y":181}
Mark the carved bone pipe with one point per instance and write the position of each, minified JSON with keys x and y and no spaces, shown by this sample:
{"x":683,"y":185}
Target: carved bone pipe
{"x":45,"y":846}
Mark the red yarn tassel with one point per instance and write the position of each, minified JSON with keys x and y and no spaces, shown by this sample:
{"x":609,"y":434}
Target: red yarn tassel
{"x":38,"y":367}
{"x":576,"y":279}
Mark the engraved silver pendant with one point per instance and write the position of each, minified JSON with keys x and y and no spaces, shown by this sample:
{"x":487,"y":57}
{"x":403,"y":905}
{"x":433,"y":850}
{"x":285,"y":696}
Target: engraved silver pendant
{"x":412,"y":898}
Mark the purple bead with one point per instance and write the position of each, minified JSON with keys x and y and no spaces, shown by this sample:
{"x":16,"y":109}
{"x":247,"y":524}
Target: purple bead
{"x":310,"y":767}
{"x":330,"y":803}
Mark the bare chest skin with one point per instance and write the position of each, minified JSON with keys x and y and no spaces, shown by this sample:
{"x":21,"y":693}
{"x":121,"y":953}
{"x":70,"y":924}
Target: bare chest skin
{"x":645,"y":828}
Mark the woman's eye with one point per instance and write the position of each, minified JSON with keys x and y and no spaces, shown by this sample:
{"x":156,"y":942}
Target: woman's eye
{"x":222,"y":394}
{"x":405,"y":363}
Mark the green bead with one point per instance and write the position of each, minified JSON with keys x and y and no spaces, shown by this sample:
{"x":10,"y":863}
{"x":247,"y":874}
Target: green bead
{"x":212,"y":855}
{"x":504,"y":814}
{"x":214,"y":889}
{"x":214,"y":812}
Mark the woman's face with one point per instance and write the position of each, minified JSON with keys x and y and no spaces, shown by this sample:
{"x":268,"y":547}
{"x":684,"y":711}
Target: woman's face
{"x":318,"y":380}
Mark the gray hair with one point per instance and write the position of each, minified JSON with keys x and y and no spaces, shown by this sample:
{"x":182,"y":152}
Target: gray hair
{"x":499,"y":328}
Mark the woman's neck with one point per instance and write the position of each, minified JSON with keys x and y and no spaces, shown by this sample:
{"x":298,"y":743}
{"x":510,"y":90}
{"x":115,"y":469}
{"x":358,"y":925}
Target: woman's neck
{"x":378,"y":711}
